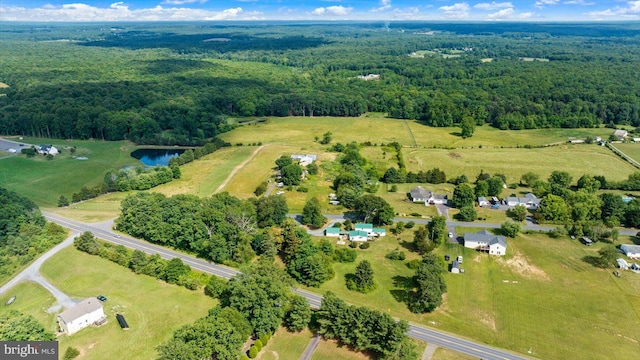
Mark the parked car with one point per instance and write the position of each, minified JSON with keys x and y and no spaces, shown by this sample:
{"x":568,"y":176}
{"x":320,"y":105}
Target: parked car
{"x":101,"y":298}
{"x":450,"y":234}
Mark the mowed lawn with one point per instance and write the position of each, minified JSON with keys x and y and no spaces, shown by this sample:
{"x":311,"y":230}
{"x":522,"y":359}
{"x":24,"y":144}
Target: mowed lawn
{"x":285,"y":345}
{"x":300,"y":131}
{"x":43,"y":181}
{"x":539,"y":298}
{"x":31,"y":299}
{"x":631,"y":149}
{"x":574,"y":159}
{"x":333,"y":350}
{"x":153,"y":309}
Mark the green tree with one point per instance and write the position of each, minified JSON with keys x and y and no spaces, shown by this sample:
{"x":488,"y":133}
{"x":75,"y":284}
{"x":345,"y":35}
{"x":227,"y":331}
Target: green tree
{"x":15,"y":326}
{"x":608,"y":256}
{"x":495,"y":185}
{"x":529,"y":178}
{"x":482,"y":188}
{"x":467,"y":127}
{"x":71,"y":353}
{"x":87,"y":242}
{"x":326,"y":138}
{"x":271,"y":210}
{"x":291,"y":174}
{"x":510,"y":229}
{"x":175,"y":271}
{"x":518,"y":213}
{"x":372,"y":208}
{"x":363,"y":280}
{"x":467,"y":213}
{"x":215,"y":286}
{"x":63,"y":201}
{"x":312,"y":168}
{"x":612,"y":210}
{"x":261,"y":189}
{"x":463,"y":195}
{"x":429,"y":285}
{"x":421,"y":240}
{"x":283,"y":161}
{"x":588,"y":183}
{"x":437,"y":230}
{"x":298,"y":314}
{"x":560,"y":178}
{"x":553,"y":208}
{"x":312,"y":213}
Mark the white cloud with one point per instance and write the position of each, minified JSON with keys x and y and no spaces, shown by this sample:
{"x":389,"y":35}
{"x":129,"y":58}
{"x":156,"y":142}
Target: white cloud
{"x":384,"y":5}
{"x":632,"y":10}
{"x":182,"y":2}
{"x":542,"y":3}
{"x":493,"y":5}
{"x":579,"y":2}
{"x":120,"y":12}
{"x":456,"y":11}
{"x":410,"y":13}
{"x":336,"y":10}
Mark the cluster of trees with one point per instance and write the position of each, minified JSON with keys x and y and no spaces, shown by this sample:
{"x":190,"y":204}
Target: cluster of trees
{"x":80,"y":99}
{"x":355,"y":177}
{"x":220,"y":228}
{"x":433,"y":176}
{"x":312,"y":213}
{"x":173,"y":271}
{"x":362,"y":280}
{"x":364,"y":329}
{"x":305,"y":261}
{"x":430,"y":236}
{"x":141,"y":178}
{"x":24,"y":233}
{"x":290,"y":172}
{"x":15,"y":326}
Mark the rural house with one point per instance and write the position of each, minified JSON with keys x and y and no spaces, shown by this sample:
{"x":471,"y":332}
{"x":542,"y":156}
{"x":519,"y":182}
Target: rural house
{"x":47,"y":150}
{"x":620,"y":134}
{"x":304,"y":159}
{"x":632,"y":251}
{"x":482,"y":201}
{"x":370,"y":230}
{"x":529,"y":201}
{"x":419,"y":194}
{"x":486,"y":241}
{"x":85,"y":313}
{"x":332,"y":232}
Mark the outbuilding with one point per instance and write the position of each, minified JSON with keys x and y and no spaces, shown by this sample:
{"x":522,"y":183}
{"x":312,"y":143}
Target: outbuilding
{"x":632,"y":251}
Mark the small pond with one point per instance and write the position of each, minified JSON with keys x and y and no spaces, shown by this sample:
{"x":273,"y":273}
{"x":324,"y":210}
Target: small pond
{"x":153,"y":157}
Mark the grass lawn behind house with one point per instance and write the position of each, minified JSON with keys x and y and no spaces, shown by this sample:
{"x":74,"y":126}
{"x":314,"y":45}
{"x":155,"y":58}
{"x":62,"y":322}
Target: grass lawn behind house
{"x":153,"y":309}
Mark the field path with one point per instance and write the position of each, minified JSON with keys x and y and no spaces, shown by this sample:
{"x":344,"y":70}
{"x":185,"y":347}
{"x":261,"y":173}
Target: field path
{"x":311,"y":348}
{"x":237,"y":168}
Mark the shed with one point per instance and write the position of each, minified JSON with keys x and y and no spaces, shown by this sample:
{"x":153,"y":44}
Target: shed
{"x":455,"y":267}
{"x":122,"y":322}
{"x":622,"y":264}
{"x":632,"y":251}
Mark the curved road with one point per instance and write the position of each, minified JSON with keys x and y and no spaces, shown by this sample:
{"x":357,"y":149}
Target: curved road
{"x":416,"y":331}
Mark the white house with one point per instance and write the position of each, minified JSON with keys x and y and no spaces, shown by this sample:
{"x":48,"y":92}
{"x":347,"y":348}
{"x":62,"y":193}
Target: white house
{"x":332,"y":232}
{"x":418,"y":194}
{"x":632,"y":251}
{"x":47,"y":150}
{"x":358,"y":235}
{"x":370,"y":230}
{"x":529,"y":201}
{"x":622,"y":264}
{"x":369,"y":77}
{"x":85,"y":313}
{"x":486,"y":241}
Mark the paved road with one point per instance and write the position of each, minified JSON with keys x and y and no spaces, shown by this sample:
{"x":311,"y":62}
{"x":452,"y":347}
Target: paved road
{"x":32,"y":273}
{"x":416,"y":331}
{"x":311,"y":348}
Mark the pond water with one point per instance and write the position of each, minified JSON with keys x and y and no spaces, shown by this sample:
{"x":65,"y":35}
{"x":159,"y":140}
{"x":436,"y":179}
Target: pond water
{"x":154,"y":157}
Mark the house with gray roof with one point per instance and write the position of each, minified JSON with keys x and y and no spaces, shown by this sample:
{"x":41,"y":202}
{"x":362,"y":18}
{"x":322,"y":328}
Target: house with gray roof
{"x":419,"y":194}
{"x":486,"y":241}
{"x":632,"y":251}
{"x":482,"y":201}
{"x":530,"y":201}
{"x":83,"y":314}
{"x":620,"y":134}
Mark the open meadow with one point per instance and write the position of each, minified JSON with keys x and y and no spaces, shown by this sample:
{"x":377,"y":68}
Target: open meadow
{"x":285,"y":345}
{"x":43,"y":181}
{"x":538,"y":298}
{"x":153,"y":309}
{"x":631,"y":149}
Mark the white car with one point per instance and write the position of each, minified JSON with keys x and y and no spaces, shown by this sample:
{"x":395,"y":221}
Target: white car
{"x":450,"y":234}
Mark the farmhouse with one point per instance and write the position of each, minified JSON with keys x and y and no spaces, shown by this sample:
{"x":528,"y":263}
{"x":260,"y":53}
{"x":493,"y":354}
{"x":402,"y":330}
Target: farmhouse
{"x":620,"y":134}
{"x":85,"y":313}
{"x":632,"y":251}
{"x":358,"y":235}
{"x":486,"y":241}
{"x":418,"y":194}
{"x":304,"y":159}
{"x":369,"y":77}
{"x":529,"y":201}
{"x":47,"y":150}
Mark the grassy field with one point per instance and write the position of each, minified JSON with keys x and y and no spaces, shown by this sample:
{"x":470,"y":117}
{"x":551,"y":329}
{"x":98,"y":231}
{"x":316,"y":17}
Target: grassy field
{"x":405,"y":207}
{"x":43,"y":181}
{"x":540,"y":296}
{"x":631,"y":149}
{"x":153,"y":308}
{"x":285,"y":345}
{"x":446,"y":354}
{"x":31,"y":299}
{"x":575,"y":159}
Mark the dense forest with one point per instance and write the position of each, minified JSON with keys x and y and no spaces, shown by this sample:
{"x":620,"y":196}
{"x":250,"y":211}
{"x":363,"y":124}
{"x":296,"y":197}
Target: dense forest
{"x":179,"y":83}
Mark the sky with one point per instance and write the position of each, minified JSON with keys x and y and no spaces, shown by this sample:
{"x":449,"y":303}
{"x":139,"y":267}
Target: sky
{"x":236,"y":10}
